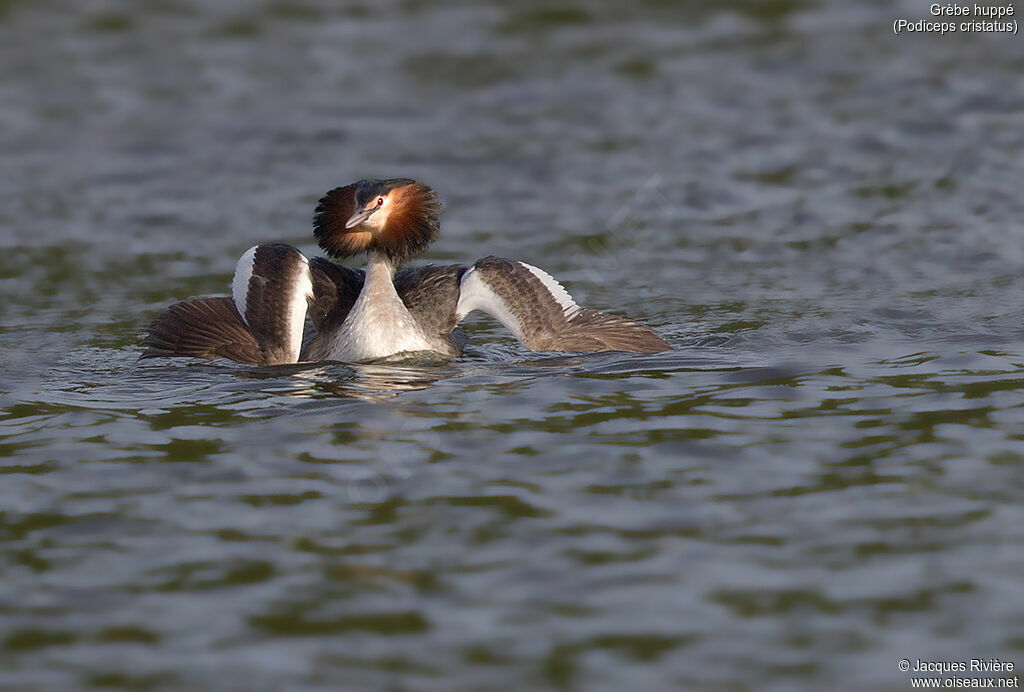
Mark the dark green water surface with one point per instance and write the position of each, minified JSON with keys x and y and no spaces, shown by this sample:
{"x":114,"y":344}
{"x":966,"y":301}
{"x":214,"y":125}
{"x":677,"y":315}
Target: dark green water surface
{"x":823,"y":477}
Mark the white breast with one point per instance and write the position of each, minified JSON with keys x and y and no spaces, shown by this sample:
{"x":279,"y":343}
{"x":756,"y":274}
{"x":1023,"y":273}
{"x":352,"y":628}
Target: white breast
{"x":379,"y":325}
{"x":369,"y":334}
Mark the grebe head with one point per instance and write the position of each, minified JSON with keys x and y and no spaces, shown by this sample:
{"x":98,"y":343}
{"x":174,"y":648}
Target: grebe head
{"x":397,"y":218}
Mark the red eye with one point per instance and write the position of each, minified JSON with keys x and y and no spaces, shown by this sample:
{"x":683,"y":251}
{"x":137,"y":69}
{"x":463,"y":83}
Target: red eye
{"x":380,"y":201}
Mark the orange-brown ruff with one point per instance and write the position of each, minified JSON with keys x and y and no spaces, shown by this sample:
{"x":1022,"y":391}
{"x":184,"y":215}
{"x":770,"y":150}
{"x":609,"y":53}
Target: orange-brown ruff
{"x":411,"y":223}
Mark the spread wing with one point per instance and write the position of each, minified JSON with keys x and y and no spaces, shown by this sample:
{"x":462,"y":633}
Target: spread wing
{"x":527,"y":300}
{"x":261,"y":323}
{"x":202,"y":328}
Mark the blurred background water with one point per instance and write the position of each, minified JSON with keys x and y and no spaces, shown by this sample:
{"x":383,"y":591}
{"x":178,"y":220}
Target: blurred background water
{"x":822,"y":478}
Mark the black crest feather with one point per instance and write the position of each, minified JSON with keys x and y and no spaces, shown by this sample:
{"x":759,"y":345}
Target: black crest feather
{"x":411,"y":225}
{"x":332,"y":211}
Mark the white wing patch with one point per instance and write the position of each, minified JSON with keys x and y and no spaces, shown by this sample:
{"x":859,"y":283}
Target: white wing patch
{"x":302,"y":293}
{"x":476,"y":294}
{"x":556,"y":290}
{"x":298,"y":293}
{"x":240,"y":283}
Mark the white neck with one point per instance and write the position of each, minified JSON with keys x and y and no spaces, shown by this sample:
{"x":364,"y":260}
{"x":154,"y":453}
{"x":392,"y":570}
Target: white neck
{"x":380,"y":272}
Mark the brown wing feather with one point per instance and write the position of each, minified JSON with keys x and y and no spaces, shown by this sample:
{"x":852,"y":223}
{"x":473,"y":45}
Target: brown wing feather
{"x":543,"y":321}
{"x":202,"y":328}
{"x":335,"y":290}
{"x":590,"y":330}
{"x":278,"y":274}
{"x":431,"y":294}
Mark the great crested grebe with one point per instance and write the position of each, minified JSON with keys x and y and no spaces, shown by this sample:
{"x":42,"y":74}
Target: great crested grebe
{"x":357,"y":316}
